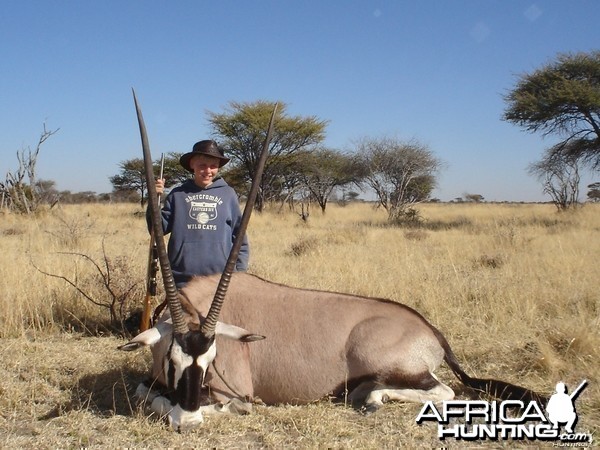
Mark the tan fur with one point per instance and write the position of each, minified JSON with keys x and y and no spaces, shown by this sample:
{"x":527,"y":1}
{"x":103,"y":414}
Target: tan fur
{"x":316,"y":341}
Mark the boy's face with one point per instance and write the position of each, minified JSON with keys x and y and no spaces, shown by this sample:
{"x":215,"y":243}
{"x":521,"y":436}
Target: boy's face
{"x":205,"y":169}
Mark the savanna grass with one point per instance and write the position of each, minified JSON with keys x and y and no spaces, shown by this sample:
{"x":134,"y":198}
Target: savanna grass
{"x":514,"y":288}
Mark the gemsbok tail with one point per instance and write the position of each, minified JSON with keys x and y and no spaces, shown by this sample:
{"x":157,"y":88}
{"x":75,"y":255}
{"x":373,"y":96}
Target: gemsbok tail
{"x":495,"y":388}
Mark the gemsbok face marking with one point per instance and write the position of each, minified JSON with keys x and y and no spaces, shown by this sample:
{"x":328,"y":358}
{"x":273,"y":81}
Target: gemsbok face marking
{"x":189,"y":358}
{"x":186,"y":366}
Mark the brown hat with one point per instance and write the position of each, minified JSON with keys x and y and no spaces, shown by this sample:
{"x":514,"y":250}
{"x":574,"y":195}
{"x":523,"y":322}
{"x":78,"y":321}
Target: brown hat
{"x":208,"y":148}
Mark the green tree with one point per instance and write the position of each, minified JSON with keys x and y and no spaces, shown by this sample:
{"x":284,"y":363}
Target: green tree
{"x":173,"y":172}
{"x":322,"y":170}
{"x":562,"y":98}
{"x":473,"y":198}
{"x":241,"y":131}
{"x":47,"y":192}
{"x":420,"y":188}
{"x":352,"y":196}
{"x":594,"y":192}
{"x":132,"y":177}
{"x":401,"y":174}
{"x":559,"y":174}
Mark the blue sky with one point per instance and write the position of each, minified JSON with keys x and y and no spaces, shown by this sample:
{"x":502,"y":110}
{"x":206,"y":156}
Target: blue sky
{"x":434,"y":71}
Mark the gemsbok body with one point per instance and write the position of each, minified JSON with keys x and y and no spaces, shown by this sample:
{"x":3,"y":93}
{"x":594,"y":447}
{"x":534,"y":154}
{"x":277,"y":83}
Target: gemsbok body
{"x":317,"y":343}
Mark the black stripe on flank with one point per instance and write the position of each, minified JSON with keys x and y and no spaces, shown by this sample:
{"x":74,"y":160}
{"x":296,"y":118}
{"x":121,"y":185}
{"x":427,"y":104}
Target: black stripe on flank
{"x":421,"y":381}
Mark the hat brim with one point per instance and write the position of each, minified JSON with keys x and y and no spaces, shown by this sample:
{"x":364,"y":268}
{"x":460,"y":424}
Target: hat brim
{"x":187,"y":157}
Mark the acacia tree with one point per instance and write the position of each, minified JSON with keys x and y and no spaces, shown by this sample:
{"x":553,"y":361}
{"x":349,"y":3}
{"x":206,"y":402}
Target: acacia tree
{"x":284,"y":181}
{"x":47,"y":192}
{"x":322,"y":170}
{"x":594,"y":192}
{"x":474,"y":198}
{"x":173,"y":172}
{"x":559,"y":175}
{"x":562,"y":98}
{"x":132,"y":177}
{"x":241,"y":131}
{"x":402,"y":174}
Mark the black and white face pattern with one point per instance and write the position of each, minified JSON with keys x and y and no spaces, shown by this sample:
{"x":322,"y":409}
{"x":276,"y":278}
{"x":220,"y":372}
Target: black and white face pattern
{"x":185,"y":362}
{"x":185,"y":368}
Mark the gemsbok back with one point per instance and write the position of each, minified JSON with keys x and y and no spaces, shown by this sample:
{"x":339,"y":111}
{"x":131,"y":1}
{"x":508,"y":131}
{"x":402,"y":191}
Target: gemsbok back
{"x":317,"y":344}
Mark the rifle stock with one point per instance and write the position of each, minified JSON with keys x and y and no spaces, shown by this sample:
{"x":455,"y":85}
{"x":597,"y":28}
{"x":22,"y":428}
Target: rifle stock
{"x":153,"y":268}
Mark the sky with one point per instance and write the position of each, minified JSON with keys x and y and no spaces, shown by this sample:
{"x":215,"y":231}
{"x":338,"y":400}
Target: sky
{"x":433,"y":71}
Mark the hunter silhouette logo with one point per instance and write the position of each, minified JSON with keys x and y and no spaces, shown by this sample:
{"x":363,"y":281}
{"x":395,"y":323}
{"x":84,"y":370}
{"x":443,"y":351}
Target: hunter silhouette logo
{"x":561,"y":407}
{"x":509,"y":419}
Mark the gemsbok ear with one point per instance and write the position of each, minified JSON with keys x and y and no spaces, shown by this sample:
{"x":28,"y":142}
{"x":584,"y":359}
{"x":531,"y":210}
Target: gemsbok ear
{"x":130,"y":346}
{"x":236,"y":333}
{"x":149,"y":337}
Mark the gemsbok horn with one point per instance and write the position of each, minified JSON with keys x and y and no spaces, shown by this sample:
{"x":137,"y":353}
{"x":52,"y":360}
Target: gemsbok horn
{"x":186,"y":352}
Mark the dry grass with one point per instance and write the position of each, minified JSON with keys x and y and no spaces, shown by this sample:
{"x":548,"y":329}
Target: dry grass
{"x":513,"y":287}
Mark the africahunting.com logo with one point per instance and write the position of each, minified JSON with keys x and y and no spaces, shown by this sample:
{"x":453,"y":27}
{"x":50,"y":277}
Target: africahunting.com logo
{"x":471,"y":420}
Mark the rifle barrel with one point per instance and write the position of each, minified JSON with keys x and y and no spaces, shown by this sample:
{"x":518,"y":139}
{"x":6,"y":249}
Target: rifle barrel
{"x":578,"y":389}
{"x":153,"y":267}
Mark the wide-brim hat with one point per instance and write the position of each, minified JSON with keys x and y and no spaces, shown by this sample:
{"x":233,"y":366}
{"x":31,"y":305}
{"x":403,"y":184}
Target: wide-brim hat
{"x":207,"y":147}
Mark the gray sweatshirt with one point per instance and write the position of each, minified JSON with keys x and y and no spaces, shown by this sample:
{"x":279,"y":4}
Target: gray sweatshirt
{"x":203,"y":224}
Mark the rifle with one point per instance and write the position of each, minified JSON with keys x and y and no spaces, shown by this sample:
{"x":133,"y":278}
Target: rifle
{"x":153,"y":268}
{"x":578,"y":390}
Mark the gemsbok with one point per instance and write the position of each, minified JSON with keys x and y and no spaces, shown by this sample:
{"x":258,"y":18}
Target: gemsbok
{"x":316,"y":344}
